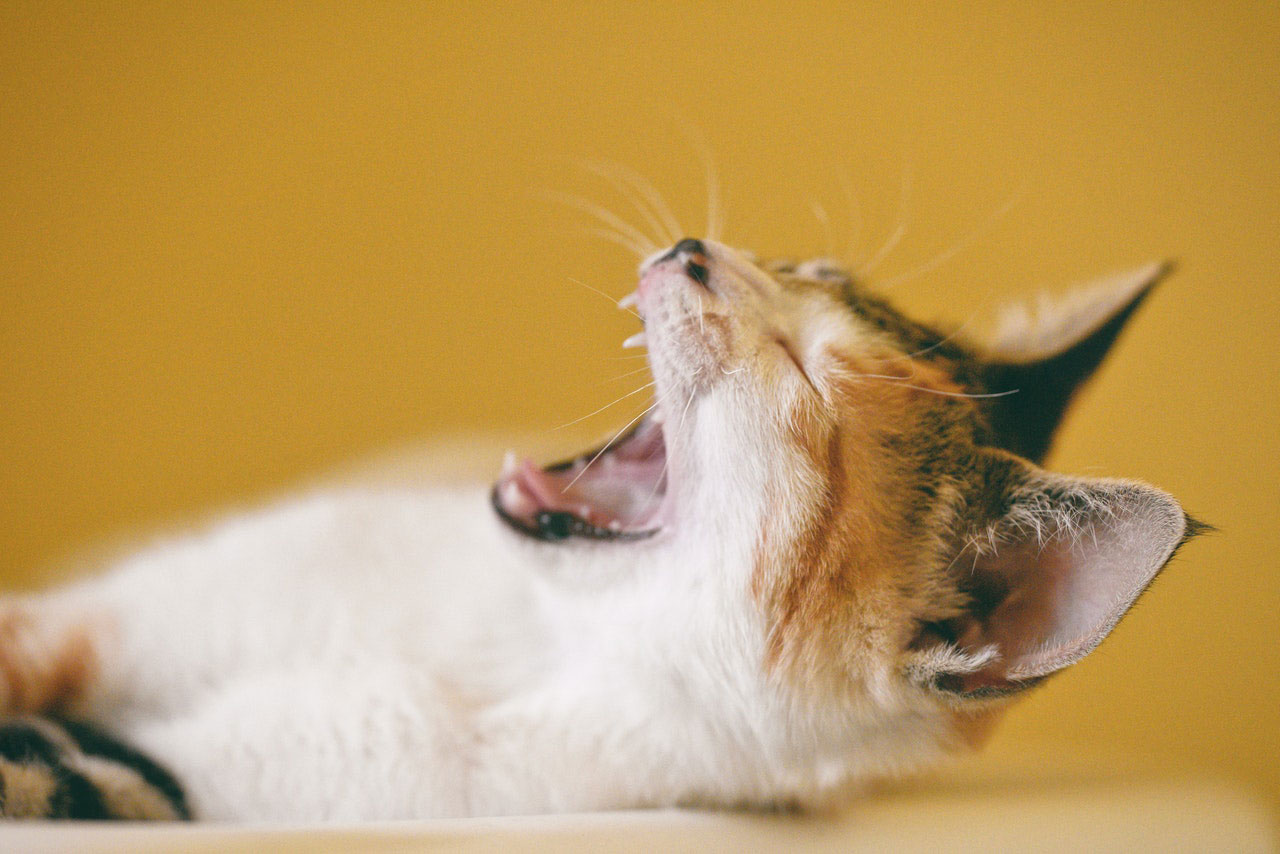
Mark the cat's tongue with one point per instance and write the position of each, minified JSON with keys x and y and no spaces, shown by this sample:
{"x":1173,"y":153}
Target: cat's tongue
{"x":611,"y":493}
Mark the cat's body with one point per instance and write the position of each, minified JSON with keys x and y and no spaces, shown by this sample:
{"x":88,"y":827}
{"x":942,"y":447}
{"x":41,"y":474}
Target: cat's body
{"x":783,"y":609}
{"x":392,"y":654}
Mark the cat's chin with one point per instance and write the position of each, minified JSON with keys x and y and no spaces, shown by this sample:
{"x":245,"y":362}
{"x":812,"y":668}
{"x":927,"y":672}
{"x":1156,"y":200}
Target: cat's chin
{"x":615,"y":492}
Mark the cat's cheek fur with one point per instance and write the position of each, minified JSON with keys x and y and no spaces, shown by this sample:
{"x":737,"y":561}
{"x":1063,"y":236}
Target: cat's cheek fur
{"x":838,"y":584}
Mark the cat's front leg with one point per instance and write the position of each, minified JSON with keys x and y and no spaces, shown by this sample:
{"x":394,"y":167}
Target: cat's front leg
{"x":53,"y":766}
{"x":50,"y":655}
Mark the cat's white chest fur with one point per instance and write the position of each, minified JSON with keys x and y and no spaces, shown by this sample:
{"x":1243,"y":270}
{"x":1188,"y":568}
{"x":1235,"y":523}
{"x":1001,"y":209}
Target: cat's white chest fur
{"x":363,"y":654}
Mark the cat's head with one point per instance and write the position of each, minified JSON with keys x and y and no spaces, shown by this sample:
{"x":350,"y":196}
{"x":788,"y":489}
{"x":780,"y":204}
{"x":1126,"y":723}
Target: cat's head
{"x":878,"y":479}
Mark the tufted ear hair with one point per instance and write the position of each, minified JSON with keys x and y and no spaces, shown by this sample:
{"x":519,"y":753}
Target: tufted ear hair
{"x":1048,"y":354}
{"x":1049,"y":566}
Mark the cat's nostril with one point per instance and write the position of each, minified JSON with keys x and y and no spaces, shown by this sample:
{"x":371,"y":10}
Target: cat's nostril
{"x":688,"y":246}
{"x":691,"y":245}
{"x":693,"y":253}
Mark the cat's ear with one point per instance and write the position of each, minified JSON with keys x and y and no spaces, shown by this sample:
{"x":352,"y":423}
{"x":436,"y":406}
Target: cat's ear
{"x":1049,"y":565}
{"x":1048,"y":353}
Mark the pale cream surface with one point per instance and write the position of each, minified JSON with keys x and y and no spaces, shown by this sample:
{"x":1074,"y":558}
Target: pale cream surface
{"x":1043,"y":815}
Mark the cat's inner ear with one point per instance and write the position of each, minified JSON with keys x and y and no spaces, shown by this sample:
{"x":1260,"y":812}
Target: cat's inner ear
{"x":1047,"y":354}
{"x":1048,"y":578}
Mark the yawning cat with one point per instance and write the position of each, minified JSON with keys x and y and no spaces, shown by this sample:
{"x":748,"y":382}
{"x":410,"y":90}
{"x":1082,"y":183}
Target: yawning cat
{"x":827,"y":554}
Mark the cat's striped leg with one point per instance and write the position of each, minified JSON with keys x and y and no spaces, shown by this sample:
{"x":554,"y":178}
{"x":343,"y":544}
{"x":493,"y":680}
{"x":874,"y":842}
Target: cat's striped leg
{"x":52,"y":768}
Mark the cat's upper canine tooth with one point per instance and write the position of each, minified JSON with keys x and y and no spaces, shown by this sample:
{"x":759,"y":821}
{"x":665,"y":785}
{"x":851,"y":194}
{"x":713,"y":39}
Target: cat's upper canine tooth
{"x":508,"y":463}
{"x":629,"y":301}
{"x":658,"y":416}
{"x":637,"y":340}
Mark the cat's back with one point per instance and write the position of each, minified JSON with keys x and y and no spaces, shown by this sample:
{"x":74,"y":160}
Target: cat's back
{"x":415,"y":577}
{"x":352,"y":543}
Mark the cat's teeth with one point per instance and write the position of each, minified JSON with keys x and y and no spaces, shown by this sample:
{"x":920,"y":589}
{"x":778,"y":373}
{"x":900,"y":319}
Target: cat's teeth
{"x":637,"y":340}
{"x":658,"y":416}
{"x":629,"y":301}
{"x":511,"y":494}
{"x":584,"y":512}
{"x":509,"y":464}
{"x":615,"y":525}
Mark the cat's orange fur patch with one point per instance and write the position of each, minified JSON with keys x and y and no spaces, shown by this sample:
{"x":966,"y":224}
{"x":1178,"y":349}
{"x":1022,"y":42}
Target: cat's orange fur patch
{"x":825,"y":590}
{"x":43,"y":666}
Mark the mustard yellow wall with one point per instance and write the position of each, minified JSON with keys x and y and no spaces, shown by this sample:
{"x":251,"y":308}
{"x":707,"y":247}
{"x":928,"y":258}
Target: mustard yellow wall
{"x":240,"y":244}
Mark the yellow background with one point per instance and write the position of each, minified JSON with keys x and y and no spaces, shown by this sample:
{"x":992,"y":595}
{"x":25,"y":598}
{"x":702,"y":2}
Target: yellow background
{"x":241,"y":244}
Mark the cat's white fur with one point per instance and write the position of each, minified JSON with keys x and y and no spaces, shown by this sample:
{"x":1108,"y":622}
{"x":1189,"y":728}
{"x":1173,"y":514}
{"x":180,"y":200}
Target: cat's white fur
{"x":384,"y":654}
{"x":395,"y":652}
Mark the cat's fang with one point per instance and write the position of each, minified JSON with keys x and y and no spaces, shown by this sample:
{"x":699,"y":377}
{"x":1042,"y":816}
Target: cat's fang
{"x":637,"y":340}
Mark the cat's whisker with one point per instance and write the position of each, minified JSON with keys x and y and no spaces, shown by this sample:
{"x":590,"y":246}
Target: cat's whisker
{"x":666,"y":461}
{"x":855,"y":214}
{"x":960,"y":245}
{"x":605,"y":295}
{"x":702,"y":149}
{"x":884,"y":376}
{"x":643,"y":195}
{"x":715,"y":226}
{"x":653,"y":493}
{"x":685,"y":411}
{"x":900,"y":230}
{"x":609,"y":444}
{"x":959,"y":393}
{"x":632,"y":393}
{"x":613,"y":237}
{"x":627,"y":374}
{"x":828,"y":238}
{"x":900,"y":381}
{"x":608,"y":218}
{"x":956,"y":332}
{"x":661,"y":232}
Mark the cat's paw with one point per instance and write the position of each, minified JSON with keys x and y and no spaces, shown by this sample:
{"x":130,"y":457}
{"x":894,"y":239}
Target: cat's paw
{"x":53,"y":768}
{"x":46,"y":664}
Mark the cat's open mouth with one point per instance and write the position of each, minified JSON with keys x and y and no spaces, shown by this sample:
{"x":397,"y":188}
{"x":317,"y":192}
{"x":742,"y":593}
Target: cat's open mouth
{"x":618,"y":491}
{"x":609,"y":493}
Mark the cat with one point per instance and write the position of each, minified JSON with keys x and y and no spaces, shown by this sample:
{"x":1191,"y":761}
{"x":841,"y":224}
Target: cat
{"x":827,"y":554}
